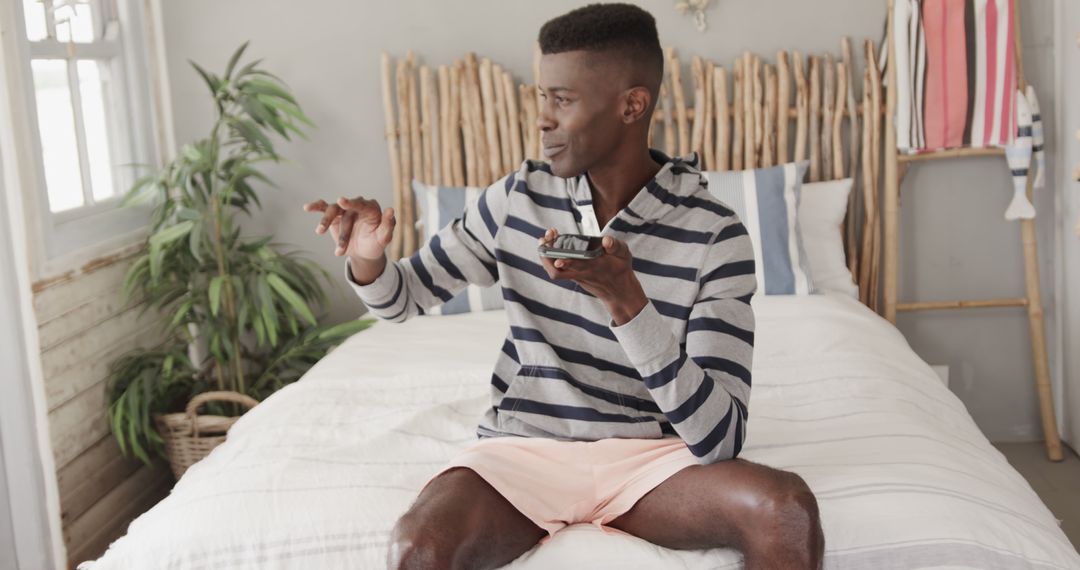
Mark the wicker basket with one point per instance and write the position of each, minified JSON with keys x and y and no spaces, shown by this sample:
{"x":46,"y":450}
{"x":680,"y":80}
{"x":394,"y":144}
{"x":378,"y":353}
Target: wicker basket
{"x":189,"y":437}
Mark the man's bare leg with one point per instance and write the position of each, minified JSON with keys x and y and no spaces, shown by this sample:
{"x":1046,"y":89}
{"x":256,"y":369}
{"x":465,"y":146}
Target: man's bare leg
{"x":769,"y":515}
{"x":460,"y":521}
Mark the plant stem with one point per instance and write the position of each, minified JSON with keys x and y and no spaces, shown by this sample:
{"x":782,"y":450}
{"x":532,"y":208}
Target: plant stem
{"x":227,"y":289}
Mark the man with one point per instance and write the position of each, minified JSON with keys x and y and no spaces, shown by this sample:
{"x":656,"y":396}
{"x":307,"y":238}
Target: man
{"x":620,"y":395}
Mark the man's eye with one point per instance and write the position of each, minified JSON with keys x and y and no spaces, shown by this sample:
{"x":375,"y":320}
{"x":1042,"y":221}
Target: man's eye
{"x":560,"y":100}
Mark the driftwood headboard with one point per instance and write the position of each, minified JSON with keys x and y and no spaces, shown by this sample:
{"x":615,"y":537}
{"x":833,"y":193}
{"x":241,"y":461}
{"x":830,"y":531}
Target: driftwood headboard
{"x":470,"y":123}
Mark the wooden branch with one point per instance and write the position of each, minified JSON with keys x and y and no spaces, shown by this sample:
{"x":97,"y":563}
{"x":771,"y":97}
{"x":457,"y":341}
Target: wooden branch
{"x":680,"y":102}
{"x":491,"y":129}
{"x":838,"y":121}
{"x":408,"y":233}
{"x":867,"y":249}
{"x":530,"y":132}
{"x":446,"y":172}
{"x":875,"y":105}
{"x":828,"y":102}
{"x":851,"y":218}
{"x":427,"y":131}
{"x":759,"y":115}
{"x":802,"y":107}
{"x":391,"y":143}
{"x":479,"y":131}
{"x":783,"y":105}
{"x":698,"y":127}
{"x":723,"y":119}
{"x":738,"y":111}
{"x":513,"y":113}
{"x":502,"y":121}
{"x":457,"y":172}
{"x":749,"y":159}
{"x":468,"y":126}
{"x":708,"y":152}
{"x":769,"y":143}
{"x":669,"y":122}
{"x":853,"y":110}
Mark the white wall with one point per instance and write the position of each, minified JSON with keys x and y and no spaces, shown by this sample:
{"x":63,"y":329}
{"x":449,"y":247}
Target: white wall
{"x":955,"y":243}
{"x":1068,"y":192}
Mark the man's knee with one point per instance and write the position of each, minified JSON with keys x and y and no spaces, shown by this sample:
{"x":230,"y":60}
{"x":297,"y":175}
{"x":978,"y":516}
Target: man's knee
{"x":788,"y":519}
{"x":419,"y":543}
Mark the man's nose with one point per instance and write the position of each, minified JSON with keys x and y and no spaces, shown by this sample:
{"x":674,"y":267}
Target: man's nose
{"x":544,"y":120}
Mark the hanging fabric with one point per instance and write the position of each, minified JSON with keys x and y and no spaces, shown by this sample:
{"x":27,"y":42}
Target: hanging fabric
{"x":956,"y":81}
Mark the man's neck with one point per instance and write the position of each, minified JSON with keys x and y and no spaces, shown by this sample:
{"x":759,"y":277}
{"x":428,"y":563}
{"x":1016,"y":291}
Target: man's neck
{"x":616,"y":183}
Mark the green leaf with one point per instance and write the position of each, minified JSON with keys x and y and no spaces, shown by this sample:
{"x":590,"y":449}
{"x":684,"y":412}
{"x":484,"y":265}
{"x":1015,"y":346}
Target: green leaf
{"x":345,"y":330}
{"x":215,"y":294}
{"x":259,"y":112}
{"x":192,"y":153}
{"x":211,"y":80}
{"x":116,"y":417}
{"x":141,"y":192}
{"x":195,"y":241}
{"x":235,"y":57}
{"x":264,"y":87}
{"x":171,"y":233}
{"x":248,"y":69}
{"x":160,"y":240}
{"x":182,"y":312}
{"x":282,"y":288}
{"x":251,"y":133}
{"x":288,"y":108}
{"x":188,"y":214}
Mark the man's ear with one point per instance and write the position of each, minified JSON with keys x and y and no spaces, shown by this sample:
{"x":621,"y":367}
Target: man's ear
{"x":636,"y":102}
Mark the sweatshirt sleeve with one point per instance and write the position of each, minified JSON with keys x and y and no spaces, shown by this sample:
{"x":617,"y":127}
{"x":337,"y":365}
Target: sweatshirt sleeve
{"x":460,"y":254}
{"x":703,"y":387}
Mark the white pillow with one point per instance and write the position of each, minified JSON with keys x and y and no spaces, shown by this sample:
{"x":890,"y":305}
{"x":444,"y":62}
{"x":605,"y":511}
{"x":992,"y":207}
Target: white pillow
{"x":821,"y":216}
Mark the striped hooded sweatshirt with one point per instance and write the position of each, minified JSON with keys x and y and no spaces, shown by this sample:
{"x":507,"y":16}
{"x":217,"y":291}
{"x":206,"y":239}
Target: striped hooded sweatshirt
{"x":679,"y":368}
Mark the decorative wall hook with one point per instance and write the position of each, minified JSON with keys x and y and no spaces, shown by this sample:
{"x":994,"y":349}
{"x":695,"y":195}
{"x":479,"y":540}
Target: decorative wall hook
{"x":697,"y":9}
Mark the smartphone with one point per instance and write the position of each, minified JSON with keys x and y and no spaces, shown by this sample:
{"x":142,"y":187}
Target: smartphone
{"x":573,"y":246}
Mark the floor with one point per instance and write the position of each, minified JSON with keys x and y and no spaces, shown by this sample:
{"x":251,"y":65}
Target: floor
{"x":1058,"y":484}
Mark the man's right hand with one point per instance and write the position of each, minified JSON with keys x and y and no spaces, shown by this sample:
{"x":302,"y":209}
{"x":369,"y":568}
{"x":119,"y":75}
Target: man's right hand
{"x":361,"y":230}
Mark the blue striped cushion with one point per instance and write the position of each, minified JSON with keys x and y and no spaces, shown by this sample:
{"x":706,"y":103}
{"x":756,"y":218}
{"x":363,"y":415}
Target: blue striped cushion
{"x":766,"y":200}
{"x":436,"y":207}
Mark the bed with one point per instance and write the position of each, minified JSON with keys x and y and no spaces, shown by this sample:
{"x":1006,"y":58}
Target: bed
{"x":315,"y":476}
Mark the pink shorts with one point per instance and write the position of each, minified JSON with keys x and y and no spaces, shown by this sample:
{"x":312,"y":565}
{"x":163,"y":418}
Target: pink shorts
{"x":557,"y":483}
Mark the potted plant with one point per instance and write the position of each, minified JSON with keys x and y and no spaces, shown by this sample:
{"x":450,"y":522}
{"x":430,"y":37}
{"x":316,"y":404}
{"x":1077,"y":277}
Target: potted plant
{"x":237,"y":311}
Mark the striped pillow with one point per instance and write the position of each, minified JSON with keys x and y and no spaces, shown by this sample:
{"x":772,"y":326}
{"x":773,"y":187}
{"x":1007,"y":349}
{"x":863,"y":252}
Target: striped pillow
{"x":436,"y":207}
{"x":766,"y":200}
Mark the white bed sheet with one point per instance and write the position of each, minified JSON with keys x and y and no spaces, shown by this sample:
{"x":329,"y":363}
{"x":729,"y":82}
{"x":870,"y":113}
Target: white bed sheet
{"x":316,"y":475}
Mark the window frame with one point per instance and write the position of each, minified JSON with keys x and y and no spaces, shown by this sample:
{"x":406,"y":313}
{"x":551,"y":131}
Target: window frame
{"x":65,"y":240}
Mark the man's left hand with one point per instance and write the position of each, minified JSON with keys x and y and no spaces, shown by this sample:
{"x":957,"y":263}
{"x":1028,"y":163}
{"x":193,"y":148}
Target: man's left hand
{"x":609,"y":277}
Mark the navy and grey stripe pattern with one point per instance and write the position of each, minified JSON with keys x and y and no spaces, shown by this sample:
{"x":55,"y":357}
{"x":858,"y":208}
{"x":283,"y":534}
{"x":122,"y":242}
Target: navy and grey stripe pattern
{"x":680,"y":368}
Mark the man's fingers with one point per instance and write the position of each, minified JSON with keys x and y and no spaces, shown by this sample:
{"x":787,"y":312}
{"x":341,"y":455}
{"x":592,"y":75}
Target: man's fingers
{"x":348,"y":219}
{"x":332,"y":212}
{"x":385,"y":231}
{"x":316,"y":206}
{"x":357,"y":204}
{"x":616,"y":247}
{"x":549,"y":235}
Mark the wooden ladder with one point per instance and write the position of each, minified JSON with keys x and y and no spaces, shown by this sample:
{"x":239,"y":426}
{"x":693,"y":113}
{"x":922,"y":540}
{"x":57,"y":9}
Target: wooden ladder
{"x":896,"y":165}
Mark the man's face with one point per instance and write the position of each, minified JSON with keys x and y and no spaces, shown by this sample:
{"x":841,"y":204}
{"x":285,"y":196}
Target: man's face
{"x":580,"y":111}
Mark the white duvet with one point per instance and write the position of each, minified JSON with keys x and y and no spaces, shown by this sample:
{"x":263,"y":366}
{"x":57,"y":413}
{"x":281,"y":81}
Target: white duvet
{"x":316,"y":475}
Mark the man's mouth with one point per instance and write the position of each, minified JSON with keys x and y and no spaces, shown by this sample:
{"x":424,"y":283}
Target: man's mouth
{"x":550,"y":151}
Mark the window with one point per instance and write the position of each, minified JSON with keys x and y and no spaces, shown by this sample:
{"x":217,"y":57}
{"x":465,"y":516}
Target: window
{"x":84,"y":74}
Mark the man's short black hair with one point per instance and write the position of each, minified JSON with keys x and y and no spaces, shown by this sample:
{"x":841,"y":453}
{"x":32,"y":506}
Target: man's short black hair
{"x":623,"y":30}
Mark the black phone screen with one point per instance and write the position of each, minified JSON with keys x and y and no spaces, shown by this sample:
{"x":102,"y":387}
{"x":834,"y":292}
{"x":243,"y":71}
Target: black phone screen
{"x":577,"y":242}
